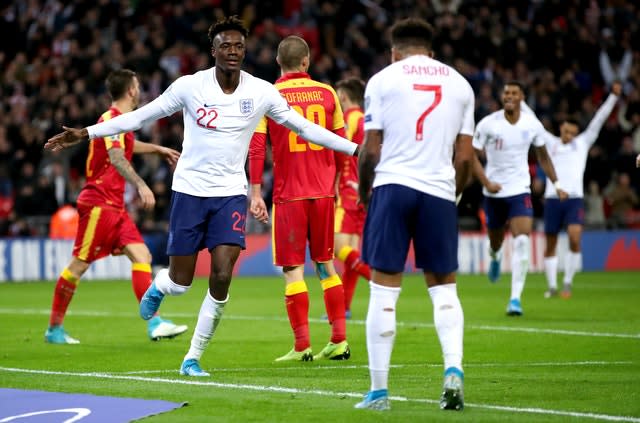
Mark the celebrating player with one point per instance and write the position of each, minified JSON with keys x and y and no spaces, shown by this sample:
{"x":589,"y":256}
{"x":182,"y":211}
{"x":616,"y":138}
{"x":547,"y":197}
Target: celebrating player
{"x":505,"y":137}
{"x":418,"y":112}
{"x":105,"y":227}
{"x":221,"y":107}
{"x":303,"y":200}
{"x":350,"y":215}
{"x":569,"y":154}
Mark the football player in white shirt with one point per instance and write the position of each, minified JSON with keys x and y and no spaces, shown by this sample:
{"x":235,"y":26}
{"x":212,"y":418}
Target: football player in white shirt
{"x":221,"y":107}
{"x":418,"y":112}
{"x":505,"y":136}
{"x":569,"y":154}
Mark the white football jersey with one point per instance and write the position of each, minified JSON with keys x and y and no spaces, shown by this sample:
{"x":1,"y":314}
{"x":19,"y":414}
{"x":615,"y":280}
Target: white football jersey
{"x":217,"y":130}
{"x":421,"y":105}
{"x":506,"y":146}
{"x":570,"y":159}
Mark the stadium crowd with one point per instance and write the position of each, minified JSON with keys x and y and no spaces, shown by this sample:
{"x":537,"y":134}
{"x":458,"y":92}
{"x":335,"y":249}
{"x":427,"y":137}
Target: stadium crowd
{"x":55,"y":56}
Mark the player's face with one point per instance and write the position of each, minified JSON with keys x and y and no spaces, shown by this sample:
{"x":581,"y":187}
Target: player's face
{"x":568,"y":131}
{"x":135,"y":92}
{"x":511,"y":97}
{"x":342,"y":97}
{"x":229,"y":50}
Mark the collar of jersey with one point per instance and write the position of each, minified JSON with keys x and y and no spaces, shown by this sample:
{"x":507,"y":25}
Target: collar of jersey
{"x":293,"y":75}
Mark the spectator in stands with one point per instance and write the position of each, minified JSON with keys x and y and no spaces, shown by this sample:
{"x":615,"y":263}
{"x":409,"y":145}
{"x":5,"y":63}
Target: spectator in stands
{"x":594,"y":217}
{"x":42,"y":53}
{"x":622,"y":198}
{"x":64,"y":223}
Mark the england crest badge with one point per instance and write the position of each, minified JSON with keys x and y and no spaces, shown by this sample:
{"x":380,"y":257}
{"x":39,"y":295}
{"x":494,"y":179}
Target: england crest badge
{"x":246,"y":106}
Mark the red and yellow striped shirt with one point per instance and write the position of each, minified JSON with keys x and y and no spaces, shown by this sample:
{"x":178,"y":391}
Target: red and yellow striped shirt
{"x":348,"y":165}
{"x":300,"y":169}
{"x":104,"y":185}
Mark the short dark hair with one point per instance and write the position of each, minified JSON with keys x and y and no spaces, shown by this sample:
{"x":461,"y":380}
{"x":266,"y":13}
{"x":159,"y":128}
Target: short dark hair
{"x":291,"y":51}
{"x":230,"y":23}
{"x":118,"y":82}
{"x":354,"y":88}
{"x":414,"y":32}
{"x":572,"y":120}
{"x":516,"y":83}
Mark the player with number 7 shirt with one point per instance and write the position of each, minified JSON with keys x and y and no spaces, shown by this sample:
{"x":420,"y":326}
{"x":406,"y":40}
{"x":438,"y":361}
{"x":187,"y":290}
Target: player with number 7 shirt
{"x":418,"y":112}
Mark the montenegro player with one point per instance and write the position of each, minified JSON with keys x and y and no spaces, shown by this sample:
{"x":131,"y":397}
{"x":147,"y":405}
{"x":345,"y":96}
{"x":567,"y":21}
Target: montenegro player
{"x":350,"y":215}
{"x":104,"y":225}
{"x":303,"y":198}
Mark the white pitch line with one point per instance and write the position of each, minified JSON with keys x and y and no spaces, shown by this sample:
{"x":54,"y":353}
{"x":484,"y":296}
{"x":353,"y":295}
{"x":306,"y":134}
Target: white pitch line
{"x":395,"y":366}
{"x":282,"y":389}
{"x":32,"y":311}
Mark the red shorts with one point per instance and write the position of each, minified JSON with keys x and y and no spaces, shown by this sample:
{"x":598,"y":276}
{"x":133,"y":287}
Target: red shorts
{"x":294,"y":223}
{"x":350,"y":221}
{"x":103,"y":231}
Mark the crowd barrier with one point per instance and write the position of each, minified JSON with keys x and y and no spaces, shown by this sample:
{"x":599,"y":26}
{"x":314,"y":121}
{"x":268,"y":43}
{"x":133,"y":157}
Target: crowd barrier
{"x":29,"y":259}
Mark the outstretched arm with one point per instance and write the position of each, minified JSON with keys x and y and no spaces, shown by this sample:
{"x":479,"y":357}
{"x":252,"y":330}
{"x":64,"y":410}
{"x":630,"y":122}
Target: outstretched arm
{"x":317,"y":134}
{"x":164,"y":105}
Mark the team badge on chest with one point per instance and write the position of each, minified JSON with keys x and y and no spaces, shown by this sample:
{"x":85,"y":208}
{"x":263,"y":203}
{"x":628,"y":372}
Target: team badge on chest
{"x":246,"y":106}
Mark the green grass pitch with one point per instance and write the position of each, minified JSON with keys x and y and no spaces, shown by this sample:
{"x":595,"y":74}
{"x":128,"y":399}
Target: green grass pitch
{"x":564,"y":360}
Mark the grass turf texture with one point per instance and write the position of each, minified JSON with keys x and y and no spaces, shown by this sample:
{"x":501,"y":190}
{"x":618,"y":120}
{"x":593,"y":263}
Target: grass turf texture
{"x":563,"y":356}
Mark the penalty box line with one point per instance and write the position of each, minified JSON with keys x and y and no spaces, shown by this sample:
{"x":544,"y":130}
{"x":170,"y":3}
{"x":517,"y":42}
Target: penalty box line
{"x":280,"y":389}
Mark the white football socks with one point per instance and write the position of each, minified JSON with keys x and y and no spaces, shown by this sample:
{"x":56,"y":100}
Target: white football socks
{"x":519,"y":265}
{"x":381,"y":332}
{"x":551,"y":270}
{"x":571,"y":265}
{"x":495,"y":255}
{"x":208,"y":319}
{"x":165,"y":285}
{"x":448,"y":319}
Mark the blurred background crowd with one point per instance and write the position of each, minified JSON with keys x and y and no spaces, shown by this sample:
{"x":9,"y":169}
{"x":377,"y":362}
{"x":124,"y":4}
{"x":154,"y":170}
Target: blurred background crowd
{"x":55,"y":55}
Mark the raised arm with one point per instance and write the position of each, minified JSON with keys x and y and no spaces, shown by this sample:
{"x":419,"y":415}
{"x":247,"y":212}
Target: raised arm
{"x":603,"y":113}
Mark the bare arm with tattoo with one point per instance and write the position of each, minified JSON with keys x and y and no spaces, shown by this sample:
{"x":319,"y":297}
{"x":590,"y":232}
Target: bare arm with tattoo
{"x":124,"y":168}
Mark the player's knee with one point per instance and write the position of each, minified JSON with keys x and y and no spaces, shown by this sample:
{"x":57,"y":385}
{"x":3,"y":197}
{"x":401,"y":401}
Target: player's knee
{"x":323,"y":271}
{"x":521,"y":245}
{"x":221,"y":276}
